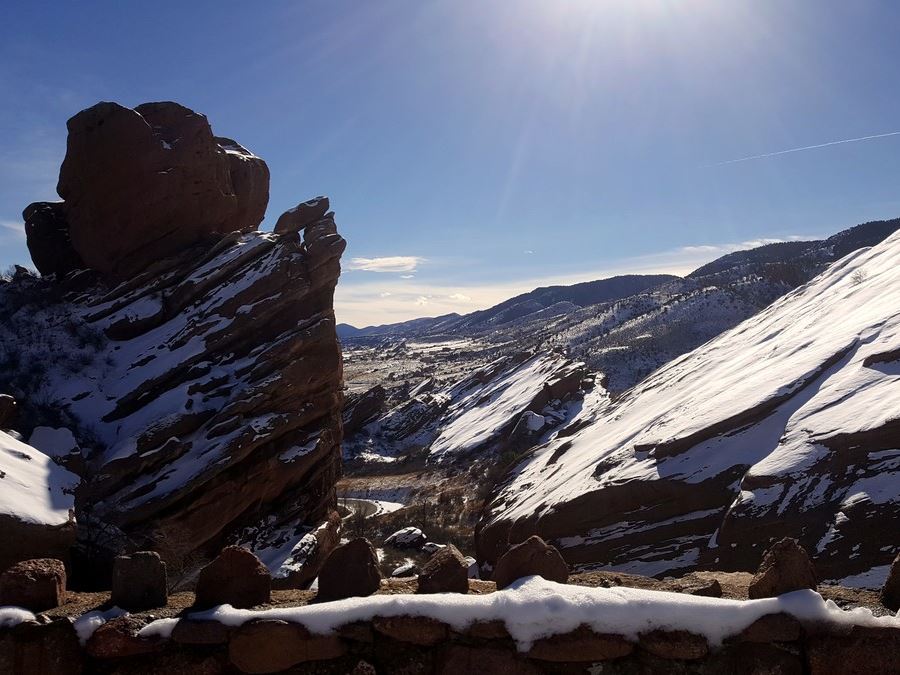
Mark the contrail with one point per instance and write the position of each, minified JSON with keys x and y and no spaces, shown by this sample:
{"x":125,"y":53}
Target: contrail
{"x":806,"y":147}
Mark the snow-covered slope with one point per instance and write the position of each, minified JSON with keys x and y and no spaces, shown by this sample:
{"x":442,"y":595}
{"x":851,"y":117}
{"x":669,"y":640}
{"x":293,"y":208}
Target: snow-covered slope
{"x":449,"y":421}
{"x":32,"y":488}
{"x":788,"y":424}
{"x":36,"y":502}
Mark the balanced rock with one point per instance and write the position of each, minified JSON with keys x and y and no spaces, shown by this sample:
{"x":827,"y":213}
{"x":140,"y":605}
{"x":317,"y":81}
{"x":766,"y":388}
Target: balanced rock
{"x":305,"y":213}
{"x":36,"y":585}
{"x":47,"y":238}
{"x":350,"y":571}
{"x":445,"y":572}
{"x":532,"y":556}
{"x":890,"y":592}
{"x":143,"y":184}
{"x":236,"y":577}
{"x":785,"y":567}
{"x":7,"y":410}
{"x":407,"y":537}
{"x":139,"y":581}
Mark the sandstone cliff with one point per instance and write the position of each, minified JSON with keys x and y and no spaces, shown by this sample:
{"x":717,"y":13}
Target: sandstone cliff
{"x":194,"y":358}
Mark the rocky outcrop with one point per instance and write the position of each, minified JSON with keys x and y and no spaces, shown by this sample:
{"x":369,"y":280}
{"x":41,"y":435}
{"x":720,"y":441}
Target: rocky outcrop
{"x":784,"y":568}
{"x":236,"y":577}
{"x":143,"y":184}
{"x":139,"y":581}
{"x":304,"y":214}
{"x":48,"y":240}
{"x":532,"y":556}
{"x":351,"y":570}
{"x":36,"y":585}
{"x":445,"y":572}
{"x":362,"y":408}
{"x":200,"y":372}
{"x":785,"y":426}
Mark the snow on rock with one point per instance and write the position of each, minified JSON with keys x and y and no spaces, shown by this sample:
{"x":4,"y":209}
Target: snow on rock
{"x":87,"y":624}
{"x":533,"y":608}
{"x":786,"y":425}
{"x":34,"y":489}
{"x":474,"y":413}
{"x":13,"y":616}
{"x":407,"y":537}
{"x":219,"y":364}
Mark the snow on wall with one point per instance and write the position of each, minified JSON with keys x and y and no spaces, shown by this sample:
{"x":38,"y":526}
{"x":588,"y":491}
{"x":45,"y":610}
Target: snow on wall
{"x":533,"y":608}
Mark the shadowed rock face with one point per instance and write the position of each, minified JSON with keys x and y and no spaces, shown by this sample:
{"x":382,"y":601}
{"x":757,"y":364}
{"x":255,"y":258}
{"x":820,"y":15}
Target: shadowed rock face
{"x":207,"y":403}
{"x":222,"y":402}
{"x":145,"y":183}
{"x":47,"y":236}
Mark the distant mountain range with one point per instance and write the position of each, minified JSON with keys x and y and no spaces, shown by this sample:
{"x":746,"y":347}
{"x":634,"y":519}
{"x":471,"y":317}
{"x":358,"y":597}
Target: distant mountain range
{"x":628,"y":326}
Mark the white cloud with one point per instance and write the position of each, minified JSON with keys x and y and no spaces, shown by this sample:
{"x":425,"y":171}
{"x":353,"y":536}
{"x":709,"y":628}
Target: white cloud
{"x":421,"y":301}
{"x":393,"y":263}
{"x":385,"y":294}
{"x":528,"y":252}
{"x":461,"y":297}
{"x":407,"y":276}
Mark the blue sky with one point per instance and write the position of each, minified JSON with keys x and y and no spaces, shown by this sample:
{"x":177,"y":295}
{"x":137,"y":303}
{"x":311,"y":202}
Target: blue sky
{"x":473,"y":149}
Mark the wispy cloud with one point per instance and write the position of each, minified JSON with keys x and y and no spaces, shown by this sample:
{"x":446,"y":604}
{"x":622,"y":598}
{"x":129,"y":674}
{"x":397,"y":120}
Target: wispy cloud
{"x":805,"y":147}
{"x":12,"y":229}
{"x":394,"y":263}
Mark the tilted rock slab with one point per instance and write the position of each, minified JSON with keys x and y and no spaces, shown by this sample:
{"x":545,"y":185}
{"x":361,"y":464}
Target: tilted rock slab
{"x":213,"y":404}
{"x":786,"y":425}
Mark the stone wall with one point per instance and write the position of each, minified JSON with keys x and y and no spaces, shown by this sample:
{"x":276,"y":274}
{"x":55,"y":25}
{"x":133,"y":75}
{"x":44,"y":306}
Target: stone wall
{"x":776,"y":643}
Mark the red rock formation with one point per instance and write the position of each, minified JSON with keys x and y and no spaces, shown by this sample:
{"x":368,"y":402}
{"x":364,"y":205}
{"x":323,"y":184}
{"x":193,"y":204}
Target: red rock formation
{"x":208,"y":399}
{"x":143,"y":184}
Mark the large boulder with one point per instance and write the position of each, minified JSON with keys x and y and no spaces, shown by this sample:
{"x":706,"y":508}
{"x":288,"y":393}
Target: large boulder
{"x":890,"y":592}
{"x":143,"y":184}
{"x":139,"y":581}
{"x":350,"y":571}
{"x":785,"y":567}
{"x":445,"y":572}
{"x":532,"y":556}
{"x":308,"y":555}
{"x":407,"y":537}
{"x":236,"y":577}
{"x":304,"y":214}
{"x":47,"y":237}
{"x":36,"y":585}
